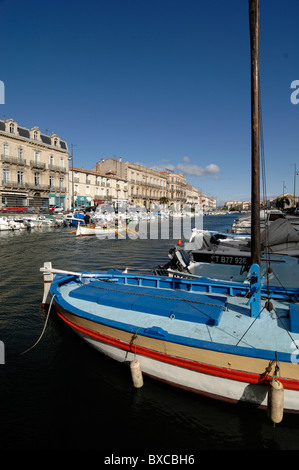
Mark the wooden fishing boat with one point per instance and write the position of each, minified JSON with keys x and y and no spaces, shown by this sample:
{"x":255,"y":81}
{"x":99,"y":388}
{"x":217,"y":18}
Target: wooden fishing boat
{"x":106,"y":231}
{"x":219,"y":339}
{"x":96,"y":230}
{"x":231,"y":341}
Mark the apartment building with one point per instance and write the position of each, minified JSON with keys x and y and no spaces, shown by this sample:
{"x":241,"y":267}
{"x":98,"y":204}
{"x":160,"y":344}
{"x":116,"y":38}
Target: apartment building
{"x":176,"y":189}
{"x":239,"y":205}
{"x":193,"y":197}
{"x":145,"y":186}
{"x":89,"y":188}
{"x":34,"y":167}
{"x":208,"y":203}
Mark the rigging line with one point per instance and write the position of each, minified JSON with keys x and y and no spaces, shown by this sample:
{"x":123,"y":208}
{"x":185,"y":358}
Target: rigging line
{"x":286,"y":329}
{"x":240,"y":339}
{"x":289,"y":296}
{"x":262,"y":148}
{"x":47,"y":318}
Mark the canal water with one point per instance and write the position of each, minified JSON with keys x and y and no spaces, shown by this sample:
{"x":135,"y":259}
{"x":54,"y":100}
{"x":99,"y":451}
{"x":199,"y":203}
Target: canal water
{"x":63,"y":395}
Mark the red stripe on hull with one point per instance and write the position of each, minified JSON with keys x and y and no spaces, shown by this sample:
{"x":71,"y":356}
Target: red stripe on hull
{"x":184,"y":363}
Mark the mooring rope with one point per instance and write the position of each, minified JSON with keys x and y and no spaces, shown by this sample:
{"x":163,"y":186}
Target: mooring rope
{"x":42,"y":333}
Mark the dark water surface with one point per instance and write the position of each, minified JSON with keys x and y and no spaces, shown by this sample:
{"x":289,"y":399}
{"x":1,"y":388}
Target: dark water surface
{"x":63,"y":395}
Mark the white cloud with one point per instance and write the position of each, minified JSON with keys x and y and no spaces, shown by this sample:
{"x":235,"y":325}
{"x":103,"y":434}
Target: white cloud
{"x":189,"y":169}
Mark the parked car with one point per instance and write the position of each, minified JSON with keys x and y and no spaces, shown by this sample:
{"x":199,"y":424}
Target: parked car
{"x":54,"y":209}
{"x":14,"y":209}
{"x":58,"y":209}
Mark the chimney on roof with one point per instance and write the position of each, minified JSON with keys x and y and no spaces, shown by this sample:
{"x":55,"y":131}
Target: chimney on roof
{"x":120,"y":159}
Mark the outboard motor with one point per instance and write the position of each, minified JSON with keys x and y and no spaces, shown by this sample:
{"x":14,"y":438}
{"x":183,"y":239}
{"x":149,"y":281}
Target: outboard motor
{"x":215,"y":238}
{"x":179,"y":262}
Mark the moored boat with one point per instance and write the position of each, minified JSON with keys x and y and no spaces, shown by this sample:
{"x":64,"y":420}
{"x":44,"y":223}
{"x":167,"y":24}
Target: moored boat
{"x":202,"y":336}
{"x":242,"y":225}
{"x":231,"y":341}
{"x":97,"y":230}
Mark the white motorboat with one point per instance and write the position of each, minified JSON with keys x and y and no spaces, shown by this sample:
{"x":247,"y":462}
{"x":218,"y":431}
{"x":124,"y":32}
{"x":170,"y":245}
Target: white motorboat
{"x":243,"y":224}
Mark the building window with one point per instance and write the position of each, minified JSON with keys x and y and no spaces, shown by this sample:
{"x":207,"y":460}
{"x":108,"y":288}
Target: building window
{"x":20,"y":177}
{"x":37,"y":179}
{"x":20,"y":153}
{"x":5,"y":149}
{"x":37,"y":157}
{"x":12,"y":128}
{"x":55,"y":142}
{"x":61,"y":184}
{"x":35,"y":135}
{"x":87,"y":190}
{"x":61,"y":163}
{"x":6,"y":175}
{"x":51,"y":161}
{"x":51,"y":181}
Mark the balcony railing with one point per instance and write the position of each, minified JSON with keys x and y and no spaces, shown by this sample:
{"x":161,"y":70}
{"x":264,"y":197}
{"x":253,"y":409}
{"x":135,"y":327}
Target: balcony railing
{"x":36,"y":186}
{"x":147,"y":184}
{"x":13,"y":184}
{"x":56,"y":168}
{"x":38,"y":165}
{"x":13,"y":160}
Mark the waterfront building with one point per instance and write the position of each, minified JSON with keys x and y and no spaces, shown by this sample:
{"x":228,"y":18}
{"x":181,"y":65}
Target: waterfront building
{"x":208,"y":204}
{"x":193,"y":197}
{"x":90,"y":188}
{"x":176,"y":189}
{"x":34,"y":167}
{"x":234,"y":205}
{"x":146,"y":187}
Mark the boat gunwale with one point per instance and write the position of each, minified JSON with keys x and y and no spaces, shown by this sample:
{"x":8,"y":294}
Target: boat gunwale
{"x":252,"y":352}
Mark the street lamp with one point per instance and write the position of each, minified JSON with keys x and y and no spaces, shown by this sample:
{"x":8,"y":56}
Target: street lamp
{"x":295,"y":174}
{"x":283,"y":188}
{"x":71,"y":158}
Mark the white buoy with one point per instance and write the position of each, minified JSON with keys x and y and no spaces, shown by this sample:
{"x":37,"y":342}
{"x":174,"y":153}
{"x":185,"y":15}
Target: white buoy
{"x":275,"y":401}
{"x":136,"y":373}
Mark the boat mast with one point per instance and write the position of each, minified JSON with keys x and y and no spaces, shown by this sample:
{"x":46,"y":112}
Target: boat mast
{"x":255,"y":134}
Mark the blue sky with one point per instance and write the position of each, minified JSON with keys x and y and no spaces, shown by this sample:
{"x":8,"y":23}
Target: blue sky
{"x":162,"y":83}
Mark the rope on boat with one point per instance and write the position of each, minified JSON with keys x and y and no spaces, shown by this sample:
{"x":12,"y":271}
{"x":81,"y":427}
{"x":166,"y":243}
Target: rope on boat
{"x":240,"y":339}
{"x":159,"y":296}
{"x":42,"y":333}
{"x":286,"y":329}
